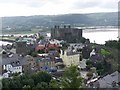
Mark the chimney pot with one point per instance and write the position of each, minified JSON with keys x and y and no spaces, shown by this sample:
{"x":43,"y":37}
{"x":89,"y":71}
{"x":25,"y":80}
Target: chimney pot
{"x":69,"y":26}
{"x":64,"y":26}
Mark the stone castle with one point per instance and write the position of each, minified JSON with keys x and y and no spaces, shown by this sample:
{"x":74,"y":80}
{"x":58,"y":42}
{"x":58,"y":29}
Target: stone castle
{"x":66,"y":33}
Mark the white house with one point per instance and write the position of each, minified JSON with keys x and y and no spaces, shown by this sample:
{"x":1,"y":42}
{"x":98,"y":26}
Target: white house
{"x":12,"y":69}
{"x":5,"y":75}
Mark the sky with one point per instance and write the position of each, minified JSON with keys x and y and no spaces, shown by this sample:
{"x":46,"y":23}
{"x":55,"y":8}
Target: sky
{"x":55,"y":7}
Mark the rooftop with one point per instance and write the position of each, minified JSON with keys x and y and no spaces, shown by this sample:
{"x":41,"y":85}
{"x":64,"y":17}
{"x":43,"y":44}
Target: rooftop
{"x":13,"y":59}
{"x":107,"y":81}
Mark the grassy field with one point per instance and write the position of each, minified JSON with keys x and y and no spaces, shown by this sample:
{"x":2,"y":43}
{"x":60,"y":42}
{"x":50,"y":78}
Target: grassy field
{"x":32,"y":31}
{"x":7,"y":38}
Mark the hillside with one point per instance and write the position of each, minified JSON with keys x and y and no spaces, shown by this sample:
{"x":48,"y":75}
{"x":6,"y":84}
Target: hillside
{"x":43,"y":21}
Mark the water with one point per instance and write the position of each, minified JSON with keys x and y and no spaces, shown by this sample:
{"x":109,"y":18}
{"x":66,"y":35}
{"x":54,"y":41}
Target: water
{"x":4,"y":43}
{"x":101,"y":36}
{"x":98,"y":36}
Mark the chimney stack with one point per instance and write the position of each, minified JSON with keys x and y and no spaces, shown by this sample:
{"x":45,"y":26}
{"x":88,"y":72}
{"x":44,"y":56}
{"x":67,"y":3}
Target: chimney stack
{"x":64,"y":26}
{"x":69,"y":26}
{"x":55,"y":26}
{"x":58,"y":27}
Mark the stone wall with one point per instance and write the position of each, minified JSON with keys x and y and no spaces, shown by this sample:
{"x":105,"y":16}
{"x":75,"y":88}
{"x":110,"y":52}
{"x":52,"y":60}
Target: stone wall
{"x":67,"y":33}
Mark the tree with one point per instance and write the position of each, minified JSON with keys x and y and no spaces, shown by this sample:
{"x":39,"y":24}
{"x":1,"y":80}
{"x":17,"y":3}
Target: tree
{"x":5,"y":83}
{"x":89,"y":75}
{"x":41,"y":51}
{"x":105,"y":52}
{"x":41,"y":77}
{"x":71,"y":78}
{"x":82,"y":40}
{"x":34,"y":54}
{"x":26,"y":87}
{"x":15,"y":74}
{"x":88,"y":67}
{"x":14,"y":84}
{"x":64,"y":46}
{"x":113,"y":44}
{"x":27,"y":81}
{"x":54,"y":84}
{"x":89,"y":64}
{"x":40,"y":38}
{"x":42,"y":85}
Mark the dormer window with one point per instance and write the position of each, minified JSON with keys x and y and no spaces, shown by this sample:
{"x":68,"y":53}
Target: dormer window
{"x":18,"y":62}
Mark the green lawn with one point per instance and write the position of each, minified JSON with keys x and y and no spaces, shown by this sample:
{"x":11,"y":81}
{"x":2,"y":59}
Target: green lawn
{"x":32,"y":31}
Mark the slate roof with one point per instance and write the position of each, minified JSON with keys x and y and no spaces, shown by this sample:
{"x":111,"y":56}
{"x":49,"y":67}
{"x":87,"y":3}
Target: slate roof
{"x":70,"y":50}
{"x":106,"y":82}
{"x":13,"y":60}
{"x":96,"y":57}
{"x":57,"y":59}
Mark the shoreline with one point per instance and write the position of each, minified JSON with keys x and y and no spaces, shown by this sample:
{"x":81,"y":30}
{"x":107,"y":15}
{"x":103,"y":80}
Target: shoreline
{"x":99,"y":30}
{"x":93,"y":35}
{"x":84,"y":31}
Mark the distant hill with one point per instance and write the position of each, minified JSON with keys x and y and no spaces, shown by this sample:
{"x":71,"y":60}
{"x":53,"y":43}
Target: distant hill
{"x":43,"y":21}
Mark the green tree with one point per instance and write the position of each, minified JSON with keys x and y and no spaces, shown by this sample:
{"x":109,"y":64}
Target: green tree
{"x":29,"y":82}
{"x":26,"y":87}
{"x":34,"y":54}
{"x":64,"y":46}
{"x":6,"y":82}
{"x":113,"y":44}
{"x":89,"y":75}
{"x":41,"y":51}
{"x":54,"y":84}
{"x":105,"y":52}
{"x":40,"y":38}
{"x":42,"y":85}
{"x":15,"y":74}
{"x":71,"y":78}
{"x":41,"y":77}
{"x":82,"y":40}
{"x":89,"y":64}
{"x":14,"y":84}
{"x":26,"y":80}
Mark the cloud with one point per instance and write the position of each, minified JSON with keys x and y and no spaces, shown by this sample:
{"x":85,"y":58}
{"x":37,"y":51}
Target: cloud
{"x":112,"y":4}
{"x":107,"y":4}
{"x":30,"y":3}
{"x":85,"y":4}
{"x":51,"y":7}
